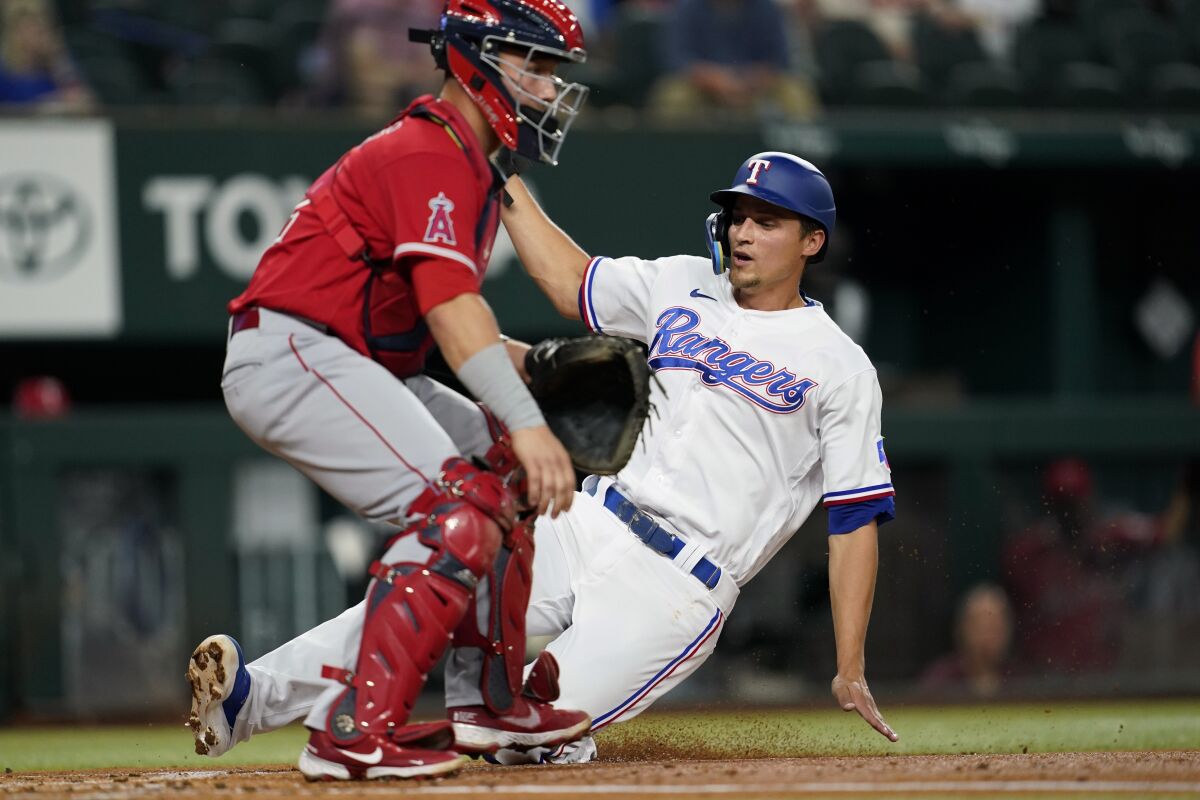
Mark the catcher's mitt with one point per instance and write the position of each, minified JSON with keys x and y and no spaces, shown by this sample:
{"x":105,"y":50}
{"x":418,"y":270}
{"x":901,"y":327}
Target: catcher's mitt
{"x":595,"y":394}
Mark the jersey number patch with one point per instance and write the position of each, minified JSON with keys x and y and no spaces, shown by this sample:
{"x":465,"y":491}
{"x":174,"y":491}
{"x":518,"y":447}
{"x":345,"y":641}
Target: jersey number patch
{"x":440,"y":227}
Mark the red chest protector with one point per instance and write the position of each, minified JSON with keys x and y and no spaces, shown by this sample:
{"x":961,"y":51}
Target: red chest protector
{"x":395,"y":333}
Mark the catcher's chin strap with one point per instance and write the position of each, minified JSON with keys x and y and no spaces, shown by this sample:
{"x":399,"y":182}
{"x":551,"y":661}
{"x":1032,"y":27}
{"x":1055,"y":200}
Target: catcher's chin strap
{"x":510,"y":580}
{"x":412,"y":609}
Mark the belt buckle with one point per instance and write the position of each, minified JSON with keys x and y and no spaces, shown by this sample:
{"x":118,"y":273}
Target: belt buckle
{"x":645,"y":528}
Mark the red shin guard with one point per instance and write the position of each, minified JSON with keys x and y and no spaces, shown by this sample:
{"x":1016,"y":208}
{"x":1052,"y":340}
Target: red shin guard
{"x":413,"y":608}
{"x":503,"y":642}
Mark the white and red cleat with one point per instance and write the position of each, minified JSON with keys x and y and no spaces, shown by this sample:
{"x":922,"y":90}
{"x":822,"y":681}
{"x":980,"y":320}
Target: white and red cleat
{"x":530,"y":723}
{"x":370,"y":758}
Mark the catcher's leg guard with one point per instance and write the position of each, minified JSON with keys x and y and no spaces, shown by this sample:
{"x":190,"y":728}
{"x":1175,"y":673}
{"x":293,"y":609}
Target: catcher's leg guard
{"x":510,"y":717}
{"x":412,"y":608}
{"x":510,"y":580}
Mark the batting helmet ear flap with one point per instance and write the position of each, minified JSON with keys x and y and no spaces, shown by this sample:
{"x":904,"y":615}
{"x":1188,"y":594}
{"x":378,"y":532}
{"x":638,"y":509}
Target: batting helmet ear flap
{"x":716,"y":230}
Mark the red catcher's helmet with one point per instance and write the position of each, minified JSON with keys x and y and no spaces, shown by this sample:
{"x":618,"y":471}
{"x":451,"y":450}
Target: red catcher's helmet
{"x":468,"y":44}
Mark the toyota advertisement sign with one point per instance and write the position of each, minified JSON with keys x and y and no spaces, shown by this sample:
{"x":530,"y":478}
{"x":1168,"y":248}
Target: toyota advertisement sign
{"x":59,"y":271}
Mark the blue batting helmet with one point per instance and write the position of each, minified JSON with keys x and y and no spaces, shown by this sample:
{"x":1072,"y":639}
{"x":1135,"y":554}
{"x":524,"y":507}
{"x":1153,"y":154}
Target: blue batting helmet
{"x":780,"y":179}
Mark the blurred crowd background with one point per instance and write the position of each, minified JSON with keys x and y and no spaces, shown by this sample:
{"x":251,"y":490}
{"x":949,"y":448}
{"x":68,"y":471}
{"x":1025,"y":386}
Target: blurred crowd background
{"x":1017,"y":251}
{"x":788,"y":58}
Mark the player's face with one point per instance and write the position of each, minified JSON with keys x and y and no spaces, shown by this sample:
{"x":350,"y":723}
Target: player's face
{"x":530,"y":78}
{"x":767,"y":245}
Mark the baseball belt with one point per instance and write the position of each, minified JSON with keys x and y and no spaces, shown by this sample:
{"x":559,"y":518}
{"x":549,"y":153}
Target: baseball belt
{"x":653,"y":535}
{"x":249,"y":318}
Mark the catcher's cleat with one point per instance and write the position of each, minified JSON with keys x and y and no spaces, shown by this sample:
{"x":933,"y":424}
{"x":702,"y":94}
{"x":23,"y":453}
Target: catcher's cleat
{"x":220,"y":686}
{"x":370,"y":757}
{"x":529,"y":723}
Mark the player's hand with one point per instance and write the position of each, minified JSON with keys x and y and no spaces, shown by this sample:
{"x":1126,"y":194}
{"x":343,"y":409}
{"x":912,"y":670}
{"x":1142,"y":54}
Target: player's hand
{"x":853,"y":695}
{"x":547,"y":468}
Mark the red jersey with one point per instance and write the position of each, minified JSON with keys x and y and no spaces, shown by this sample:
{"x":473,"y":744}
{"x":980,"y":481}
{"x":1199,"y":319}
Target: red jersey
{"x":420,"y":198}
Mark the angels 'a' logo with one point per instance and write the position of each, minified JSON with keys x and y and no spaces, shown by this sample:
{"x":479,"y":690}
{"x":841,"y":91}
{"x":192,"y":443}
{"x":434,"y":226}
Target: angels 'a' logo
{"x":440,"y":227}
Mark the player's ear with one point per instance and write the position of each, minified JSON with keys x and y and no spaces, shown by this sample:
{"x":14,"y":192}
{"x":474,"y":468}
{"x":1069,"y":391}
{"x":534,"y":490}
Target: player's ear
{"x":814,"y":240}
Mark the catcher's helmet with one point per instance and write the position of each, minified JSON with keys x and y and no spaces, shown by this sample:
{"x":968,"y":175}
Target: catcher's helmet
{"x":780,"y":179}
{"x":467,"y":45}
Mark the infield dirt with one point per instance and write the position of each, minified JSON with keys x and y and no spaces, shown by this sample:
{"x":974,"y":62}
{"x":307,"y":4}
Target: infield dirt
{"x":1127,"y":774}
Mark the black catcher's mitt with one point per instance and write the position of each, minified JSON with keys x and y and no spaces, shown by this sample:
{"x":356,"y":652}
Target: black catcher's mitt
{"x":595,"y":394}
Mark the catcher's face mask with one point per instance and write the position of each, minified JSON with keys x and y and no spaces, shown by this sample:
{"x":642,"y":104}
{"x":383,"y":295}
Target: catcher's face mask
{"x":470,"y":44}
{"x":546,"y":104}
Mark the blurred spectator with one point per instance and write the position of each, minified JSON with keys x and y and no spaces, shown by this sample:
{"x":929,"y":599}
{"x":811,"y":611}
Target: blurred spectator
{"x":41,"y":397}
{"x":979,"y":663}
{"x":1163,"y":573}
{"x":1081,"y":573}
{"x":368,"y":63}
{"x":995,"y":21}
{"x":1068,"y":602}
{"x":802,"y":20}
{"x":624,"y":52}
{"x":729,"y":55}
{"x":35,"y":70}
{"x":890,"y":20}
{"x":1196,"y":370}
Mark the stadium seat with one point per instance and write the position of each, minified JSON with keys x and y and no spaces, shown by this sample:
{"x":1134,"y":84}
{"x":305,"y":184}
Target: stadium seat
{"x":635,"y":64}
{"x":310,"y":8}
{"x":1175,"y":87}
{"x":1095,"y":16}
{"x":252,"y":9}
{"x":297,"y":29}
{"x":115,"y":80}
{"x":1041,"y":53}
{"x":1187,"y":21}
{"x":193,"y":17}
{"x":983,"y":85}
{"x":85,"y":43}
{"x":843,"y":46}
{"x":214,"y":83}
{"x":1136,"y":44}
{"x":888,"y":84}
{"x":251,"y":44}
{"x":940,"y":49}
{"x":1084,"y":85}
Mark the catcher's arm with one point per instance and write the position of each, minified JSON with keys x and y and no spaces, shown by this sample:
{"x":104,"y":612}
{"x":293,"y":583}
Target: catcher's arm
{"x":464,"y":329}
{"x":853,"y":562}
{"x":551,"y":258}
{"x":462,"y":326}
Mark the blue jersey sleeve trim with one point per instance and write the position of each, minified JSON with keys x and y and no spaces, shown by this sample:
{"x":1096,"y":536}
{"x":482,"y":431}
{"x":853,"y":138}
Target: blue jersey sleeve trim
{"x":852,"y":516}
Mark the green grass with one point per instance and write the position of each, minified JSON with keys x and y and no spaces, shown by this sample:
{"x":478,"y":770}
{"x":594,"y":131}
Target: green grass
{"x":1042,"y":727}
{"x":135,"y":747}
{"x":1033,"y":728}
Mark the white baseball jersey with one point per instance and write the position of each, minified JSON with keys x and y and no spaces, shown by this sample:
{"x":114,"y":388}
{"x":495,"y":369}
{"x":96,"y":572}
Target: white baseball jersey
{"x":761,"y":414}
